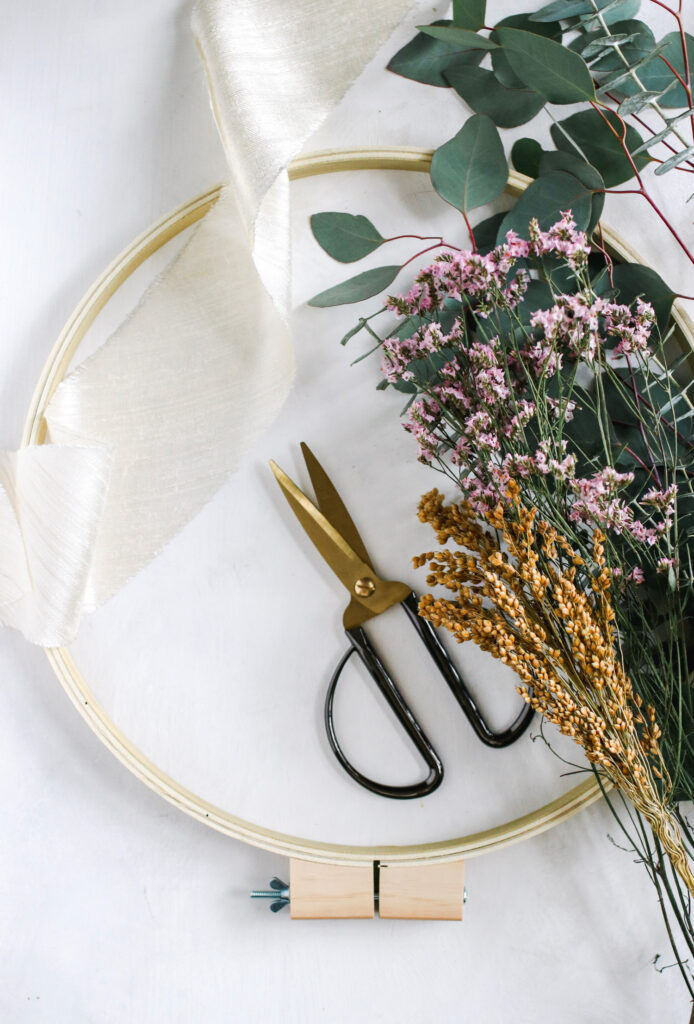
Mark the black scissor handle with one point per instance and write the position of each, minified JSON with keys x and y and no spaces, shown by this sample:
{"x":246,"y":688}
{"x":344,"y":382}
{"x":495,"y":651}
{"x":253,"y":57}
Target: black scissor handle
{"x":360,"y":643}
{"x":450,"y":673}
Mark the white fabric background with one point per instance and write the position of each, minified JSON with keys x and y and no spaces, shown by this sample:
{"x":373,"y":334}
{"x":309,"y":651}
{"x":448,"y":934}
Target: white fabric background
{"x":116,"y":907}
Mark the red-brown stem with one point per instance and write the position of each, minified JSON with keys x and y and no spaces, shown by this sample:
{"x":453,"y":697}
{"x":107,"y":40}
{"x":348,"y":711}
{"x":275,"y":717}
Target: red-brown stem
{"x":676,"y":73}
{"x":608,"y":258}
{"x":640,"y":190}
{"x":640,"y":461}
{"x":438,"y":245}
{"x":644,"y":124}
{"x":665,"y":7}
{"x":677,"y":15}
{"x":419,"y":238}
{"x":668,"y":225}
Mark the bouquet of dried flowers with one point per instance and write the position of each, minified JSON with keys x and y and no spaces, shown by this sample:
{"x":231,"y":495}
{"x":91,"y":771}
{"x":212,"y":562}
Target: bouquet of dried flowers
{"x":558,"y":412}
{"x":547,"y":383}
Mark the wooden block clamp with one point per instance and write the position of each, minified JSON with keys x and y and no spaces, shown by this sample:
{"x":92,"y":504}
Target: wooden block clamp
{"x":426,"y":892}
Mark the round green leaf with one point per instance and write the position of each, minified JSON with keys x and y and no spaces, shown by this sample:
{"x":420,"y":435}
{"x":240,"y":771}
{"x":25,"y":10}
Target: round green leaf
{"x":344,"y":236}
{"x":363,"y":286}
{"x":462,"y":37}
{"x":486,"y":95}
{"x":548,"y":67}
{"x":502,"y":69}
{"x":546,"y":199}
{"x":469,"y":13}
{"x":589,"y":135}
{"x":525,"y":157}
{"x":574,"y":164}
{"x":470,"y":170}
{"x":425,"y":60}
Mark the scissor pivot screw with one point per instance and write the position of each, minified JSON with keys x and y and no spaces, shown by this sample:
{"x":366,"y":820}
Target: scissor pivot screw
{"x":364,"y":587}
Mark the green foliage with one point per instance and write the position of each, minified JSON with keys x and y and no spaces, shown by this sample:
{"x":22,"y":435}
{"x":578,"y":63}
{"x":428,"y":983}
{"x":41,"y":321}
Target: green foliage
{"x":486,"y":231}
{"x":656,"y":75}
{"x":483,"y":92}
{"x":345,"y":237}
{"x":613,"y":11}
{"x":546,"y":199}
{"x":586,"y":174}
{"x":564,"y":10}
{"x":426,"y":60}
{"x":588,"y":134}
{"x":470,"y":170}
{"x":525,"y":157}
{"x":559,"y":74}
{"x":363,"y":286}
{"x":469,"y":13}
{"x":462,"y":37}
{"x":640,"y":45}
{"x":502,"y":69}
{"x":560,"y":10}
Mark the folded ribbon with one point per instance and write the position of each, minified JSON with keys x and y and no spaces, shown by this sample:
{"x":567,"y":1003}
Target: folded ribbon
{"x":145,"y":431}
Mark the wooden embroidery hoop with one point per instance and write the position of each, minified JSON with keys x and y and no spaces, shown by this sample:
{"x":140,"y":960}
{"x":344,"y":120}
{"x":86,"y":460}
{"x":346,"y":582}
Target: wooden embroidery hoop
{"x":66,"y":346}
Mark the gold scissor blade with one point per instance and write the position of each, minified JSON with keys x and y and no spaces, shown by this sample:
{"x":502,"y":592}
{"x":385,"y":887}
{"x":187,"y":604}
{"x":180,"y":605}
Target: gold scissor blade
{"x":331,"y":504}
{"x":344,"y":562}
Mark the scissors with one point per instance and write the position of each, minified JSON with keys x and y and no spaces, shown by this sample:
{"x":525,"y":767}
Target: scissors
{"x":332,"y":531}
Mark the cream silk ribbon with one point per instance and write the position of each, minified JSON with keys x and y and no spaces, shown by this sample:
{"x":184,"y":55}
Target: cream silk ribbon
{"x":145,"y":431}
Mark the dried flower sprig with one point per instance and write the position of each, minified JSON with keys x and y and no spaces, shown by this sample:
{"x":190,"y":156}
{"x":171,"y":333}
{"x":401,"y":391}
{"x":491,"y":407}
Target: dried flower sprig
{"x":567,"y":392}
{"x":525,"y":595}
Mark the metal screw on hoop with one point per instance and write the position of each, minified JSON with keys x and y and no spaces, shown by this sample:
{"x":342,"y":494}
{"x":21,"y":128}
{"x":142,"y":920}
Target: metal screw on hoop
{"x":278,"y":891}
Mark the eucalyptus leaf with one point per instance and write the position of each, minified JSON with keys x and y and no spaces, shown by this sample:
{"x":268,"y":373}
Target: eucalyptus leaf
{"x":652,"y":140}
{"x":345,"y":236}
{"x":546,"y":199}
{"x":470,"y":169}
{"x":633,"y":52}
{"x":525,"y":157}
{"x":462,"y":37}
{"x":538,"y":295}
{"x":611,"y":11}
{"x":675,"y":160}
{"x":564,"y":10}
{"x":657,"y":76}
{"x":486,"y":95}
{"x":604,"y":44}
{"x":502,"y":69}
{"x":585,"y":172}
{"x":634,"y":104}
{"x":560,"y":10}
{"x":363,"y":286}
{"x":587,"y":133}
{"x":469,"y":13}
{"x":559,"y":74}
{"x":359,"y":326}
{"x":630,"y":77}
{"x":425,"y":60}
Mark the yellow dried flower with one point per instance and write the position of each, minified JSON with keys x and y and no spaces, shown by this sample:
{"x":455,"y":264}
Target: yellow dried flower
{"x":527,"y":605}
